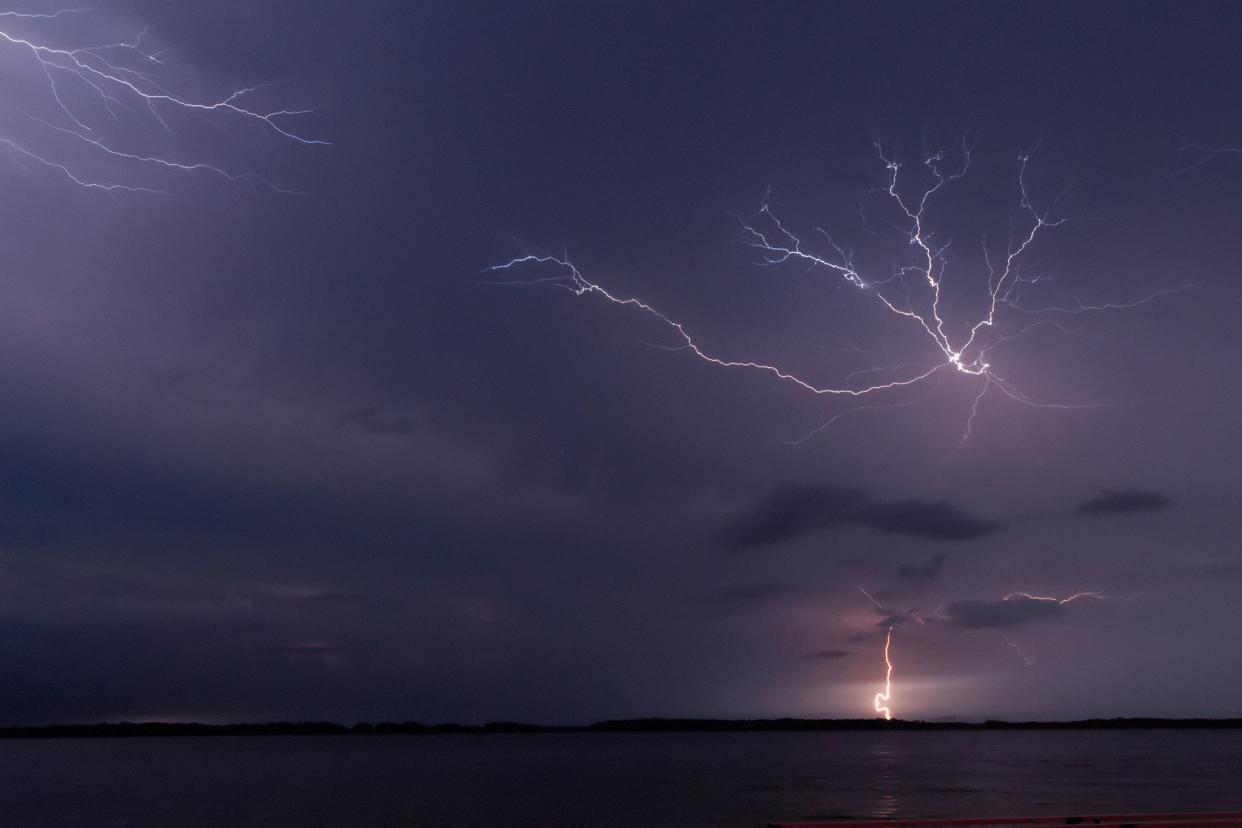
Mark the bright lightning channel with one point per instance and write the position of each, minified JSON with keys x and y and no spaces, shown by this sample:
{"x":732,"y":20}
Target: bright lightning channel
{"x":122,"y":78}
{"x":882,"y":698}
{"x":1026,"y":596}
{"x":968,"y":354}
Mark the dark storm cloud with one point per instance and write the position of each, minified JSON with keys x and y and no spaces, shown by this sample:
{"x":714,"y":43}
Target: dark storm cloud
{"x":794,"y":511}
{"x":309,"y":648}
{"x":1011,"y":612}
{"x":1122,"y":502}
{"x":790,"y":512}
{"x":921,"y":572}
{"x":934,"y":519}
{"x":24,"y":535}
{"x":372,"y":420}
{"x":889,"y":617}
{"x":259,"y":421}
{"x":309,"y":597}
{"x":827,"y":655}
{"x":81,"y":498}
{"x":53,"y":580}
{"x":742,"y":598}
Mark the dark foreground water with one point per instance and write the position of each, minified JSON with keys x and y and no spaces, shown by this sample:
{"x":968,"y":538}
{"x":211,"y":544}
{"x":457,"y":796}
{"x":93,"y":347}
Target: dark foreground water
{"x":655,"y":779}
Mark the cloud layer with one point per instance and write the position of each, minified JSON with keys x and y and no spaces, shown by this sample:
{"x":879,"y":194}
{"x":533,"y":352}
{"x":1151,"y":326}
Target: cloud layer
{"x":794,"y":511}
{"x":1009,"y":612}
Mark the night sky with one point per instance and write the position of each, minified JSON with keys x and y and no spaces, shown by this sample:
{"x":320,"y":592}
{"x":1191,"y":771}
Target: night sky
{"x":278,"y":456}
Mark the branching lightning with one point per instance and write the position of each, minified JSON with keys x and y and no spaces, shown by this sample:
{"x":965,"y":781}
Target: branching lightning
{"x":1099,"y":596}
{"x":890,"y":619}
{"x":1026,"y":596}
{"x":912,"y":292}
{"x":882,"y":698}
{"x":1202,"y":155}
{"x":91,"y":89}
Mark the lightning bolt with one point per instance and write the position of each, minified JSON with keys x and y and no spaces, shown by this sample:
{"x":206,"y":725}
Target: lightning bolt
{"x":123,"y":81}
{"x":911,"y":293}
{"x":1204,"y":155}
{"x":882,"y":698}
{"x":1017,"y":648}
{"x":1069,"y":599}
{"x":1077,"y":596}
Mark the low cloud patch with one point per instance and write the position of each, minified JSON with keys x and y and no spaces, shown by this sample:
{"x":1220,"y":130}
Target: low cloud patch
{"x":1122,"y":502}
{"x":1010,"y":612}
{"x":790,"y":512}
{"x":924,"y":571}
{"x":934,"y":519}
{"x":827,"y":655}
{"x":793,"y":511}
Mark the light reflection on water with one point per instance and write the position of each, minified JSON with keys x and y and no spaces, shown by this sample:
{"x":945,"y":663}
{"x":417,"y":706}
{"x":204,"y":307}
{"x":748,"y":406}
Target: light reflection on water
{"x":655,"y":779}
{"x":880,"y":757}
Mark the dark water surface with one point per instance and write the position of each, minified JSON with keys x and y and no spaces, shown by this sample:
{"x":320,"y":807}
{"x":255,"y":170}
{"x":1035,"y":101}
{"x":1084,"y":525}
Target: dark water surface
{"x":643,"y":779}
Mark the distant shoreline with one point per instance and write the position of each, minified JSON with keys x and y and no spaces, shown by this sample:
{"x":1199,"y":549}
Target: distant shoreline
{"x":173,"y":729}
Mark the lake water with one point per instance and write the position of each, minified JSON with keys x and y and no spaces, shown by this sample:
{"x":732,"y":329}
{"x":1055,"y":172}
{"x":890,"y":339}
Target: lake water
{"x":644,"y":779}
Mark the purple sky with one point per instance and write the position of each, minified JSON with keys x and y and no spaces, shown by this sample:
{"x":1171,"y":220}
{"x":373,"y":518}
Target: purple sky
{"x":274,"y":456}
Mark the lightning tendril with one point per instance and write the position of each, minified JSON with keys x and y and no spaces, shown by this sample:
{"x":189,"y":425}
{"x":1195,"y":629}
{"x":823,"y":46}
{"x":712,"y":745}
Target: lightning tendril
{"x":912,"y":293}
{"x":91,"y":89}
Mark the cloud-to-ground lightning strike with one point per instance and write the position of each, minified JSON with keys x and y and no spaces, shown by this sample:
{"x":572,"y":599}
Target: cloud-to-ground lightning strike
{"x":919,"y":282}
{"x":891,"y":618}
{"x":882,"y":698}
{"x":92,"y":88}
